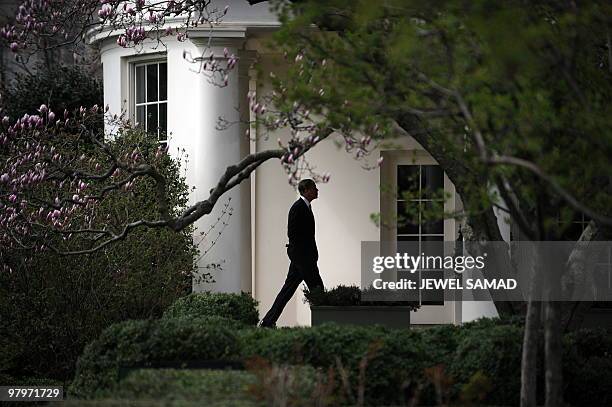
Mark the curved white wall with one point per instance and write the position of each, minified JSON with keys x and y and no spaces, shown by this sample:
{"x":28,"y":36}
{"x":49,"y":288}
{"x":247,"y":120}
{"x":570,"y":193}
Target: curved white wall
{"x":194,"y":105}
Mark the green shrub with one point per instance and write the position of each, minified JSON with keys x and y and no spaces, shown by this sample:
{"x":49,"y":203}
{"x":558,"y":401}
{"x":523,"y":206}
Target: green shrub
{"x":496,"y":353}
{"x":340,"y":296}
{"x":257,"y":387}
{"x":352,"y":295}
{"x":260,"y":387}
{"x":396,"y":356}
{"x":62,"y":87}
{"x":240,"y":307}
{"x":137,"y":343}
{"x":148,"y":403}
{"x":206,"y":386}
{"x":485,"y":354}
{"x":587,"y":366}
{"x":51,"y":305}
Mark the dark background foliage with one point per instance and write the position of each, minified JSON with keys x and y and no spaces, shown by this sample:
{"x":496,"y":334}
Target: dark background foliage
{"x":61,"y":87}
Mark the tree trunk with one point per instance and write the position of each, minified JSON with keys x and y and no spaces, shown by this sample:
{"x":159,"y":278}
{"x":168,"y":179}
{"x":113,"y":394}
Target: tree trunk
{"x":530,"y":354}
{"x":554,"y":354}
{"x":553,"y":268}
{"x":577,"y":279}
{"x":532,"y":327}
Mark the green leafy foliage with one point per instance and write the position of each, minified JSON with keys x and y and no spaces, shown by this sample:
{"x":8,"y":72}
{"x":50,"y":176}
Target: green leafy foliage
{"x":531,"y":82}
{"x":394,"y":355}
{"x":207,"y":387}
{"x":480,"y":360}
{"x":62,"y":87}
{"x":340,"y":295}
{"x":352,"y":296}
{"x":496,"y":353}
{"x":240,"y":307}
{"x":138,"y":342}
{"x":51,"y":305}
{"x":588,"y":356}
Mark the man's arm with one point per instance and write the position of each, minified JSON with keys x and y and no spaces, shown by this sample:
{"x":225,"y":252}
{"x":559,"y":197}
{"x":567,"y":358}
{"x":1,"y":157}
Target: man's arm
{"x":294,"y":224}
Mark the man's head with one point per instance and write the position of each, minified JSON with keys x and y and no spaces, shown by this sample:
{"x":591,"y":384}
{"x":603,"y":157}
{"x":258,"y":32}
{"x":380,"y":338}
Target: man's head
{"x":308,"y":189}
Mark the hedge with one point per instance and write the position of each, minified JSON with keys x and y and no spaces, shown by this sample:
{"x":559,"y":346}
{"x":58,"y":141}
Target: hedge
{"x":144,"y":342}
{"x":240,"y":307}
{"x":496,"y":353}
{"x":480,"y":358}
{"x":399,"y":354}
{"x":248,"y":388}
{"x":473,"y":356}
{"x":206,"y":386}
{"x":588,"y":356}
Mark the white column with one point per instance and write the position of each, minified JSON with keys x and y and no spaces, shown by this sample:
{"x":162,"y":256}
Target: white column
{"x":197,"y":106}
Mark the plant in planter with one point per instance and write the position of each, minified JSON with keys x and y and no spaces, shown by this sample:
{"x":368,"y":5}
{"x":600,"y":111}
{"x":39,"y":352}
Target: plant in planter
{"x":344,"y":305}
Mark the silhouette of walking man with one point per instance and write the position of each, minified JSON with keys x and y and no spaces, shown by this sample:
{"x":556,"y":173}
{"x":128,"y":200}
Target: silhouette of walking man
{"x":302,"y":251}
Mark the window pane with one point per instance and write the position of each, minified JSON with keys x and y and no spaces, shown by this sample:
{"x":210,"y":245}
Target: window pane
{"x":140,"y":84}
{"x":407,"y":179}
{"x":433,"y":246}
{"x":163,"y":123}
{"x":408,"y":239}
{"x":140,"y":116}
{"x":432,"y":180}
{"x":434,"y":223}
{"x":152,"y":83}
{"x":152,"y":119}
{"x":163,"y":82}
{"x":432,"y":296}
{"x":407,"y":222}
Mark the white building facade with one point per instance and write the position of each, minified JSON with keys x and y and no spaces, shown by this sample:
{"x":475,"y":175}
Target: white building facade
{"x":159,"y":88}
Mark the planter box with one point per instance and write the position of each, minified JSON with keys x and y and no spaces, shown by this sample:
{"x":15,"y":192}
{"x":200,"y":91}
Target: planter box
{"x":389,"y":316}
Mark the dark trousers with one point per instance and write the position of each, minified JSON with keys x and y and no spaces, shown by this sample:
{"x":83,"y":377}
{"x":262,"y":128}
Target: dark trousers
{"x":298,"y":272}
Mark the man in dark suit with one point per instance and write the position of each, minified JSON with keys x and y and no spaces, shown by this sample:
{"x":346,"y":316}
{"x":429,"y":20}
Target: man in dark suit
{"x":302,"y":251}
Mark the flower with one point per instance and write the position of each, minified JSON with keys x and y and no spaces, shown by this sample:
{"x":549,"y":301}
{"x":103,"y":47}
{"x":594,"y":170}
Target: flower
{"x":105,"y":11}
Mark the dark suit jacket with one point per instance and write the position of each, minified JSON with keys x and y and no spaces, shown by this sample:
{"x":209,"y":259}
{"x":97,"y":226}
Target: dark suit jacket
{"x":301,"y":232}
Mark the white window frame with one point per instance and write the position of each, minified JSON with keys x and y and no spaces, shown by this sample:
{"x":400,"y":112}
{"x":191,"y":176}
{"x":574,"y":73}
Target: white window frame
{"x":450,"y":312}
{"x":130,"y":65}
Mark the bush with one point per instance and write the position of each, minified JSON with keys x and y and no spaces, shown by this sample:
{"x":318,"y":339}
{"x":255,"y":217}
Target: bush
{"x":240,"y":307}
{"x":62,"y":87}
{"x":138,"y":343}
{"x":205,"y":386}
{"x":495,"y":352}
{"x":395,"y":356}
{"x":481,"y":358}
{"x":146,"y":403}
{"x":51,"y":306}
{"x":352,"y":296}
{"x":587,"y":365}
{"x":259,"y":387}
{"x":487,"y":349}
{"x":341,"y":296}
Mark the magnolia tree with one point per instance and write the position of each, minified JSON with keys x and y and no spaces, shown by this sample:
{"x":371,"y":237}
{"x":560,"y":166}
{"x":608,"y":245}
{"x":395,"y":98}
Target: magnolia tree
{"x":56,"y":169}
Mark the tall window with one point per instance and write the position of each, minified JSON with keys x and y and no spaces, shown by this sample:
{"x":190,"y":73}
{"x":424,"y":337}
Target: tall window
{"x":151,"y":91}
{"x":420,"y":219}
